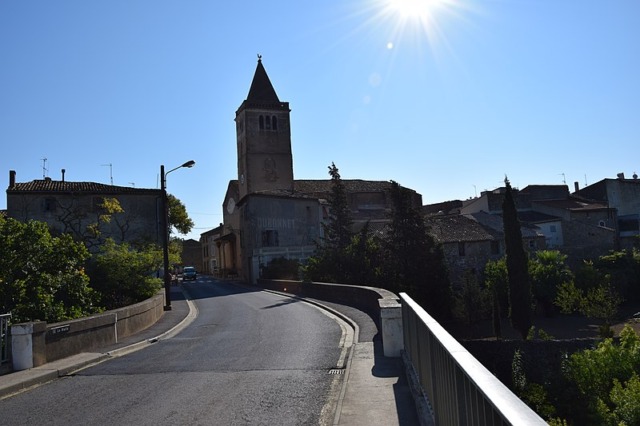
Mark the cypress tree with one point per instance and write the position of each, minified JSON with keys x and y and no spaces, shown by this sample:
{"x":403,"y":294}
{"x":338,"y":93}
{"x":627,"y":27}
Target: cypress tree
{"x":414,"y":262}
{"x":517,"y":266}
{"x":338,"y":229}
{"x":330,"y":262}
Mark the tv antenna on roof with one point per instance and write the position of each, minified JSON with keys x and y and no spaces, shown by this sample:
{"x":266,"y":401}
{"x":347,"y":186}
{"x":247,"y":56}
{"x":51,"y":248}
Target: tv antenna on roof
{"x":44,"y":167}
{"x":564,"y":179}
{"x":110,"y":171}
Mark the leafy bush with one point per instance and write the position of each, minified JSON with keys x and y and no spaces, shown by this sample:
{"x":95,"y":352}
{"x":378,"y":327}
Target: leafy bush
{"x":42,"y":277}
{"x":607,"y":379}
{"x":124,"y":276}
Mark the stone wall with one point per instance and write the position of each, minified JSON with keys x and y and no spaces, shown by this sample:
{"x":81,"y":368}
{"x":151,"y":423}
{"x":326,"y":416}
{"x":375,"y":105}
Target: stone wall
{"x":49,"y":342}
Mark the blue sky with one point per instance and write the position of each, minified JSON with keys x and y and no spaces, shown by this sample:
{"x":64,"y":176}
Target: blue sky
{"x":445,"y":98}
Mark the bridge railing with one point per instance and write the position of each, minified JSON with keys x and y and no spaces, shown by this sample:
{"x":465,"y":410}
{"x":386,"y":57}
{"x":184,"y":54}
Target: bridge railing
{"x":460,"y":390}
{"x":4,"y":337}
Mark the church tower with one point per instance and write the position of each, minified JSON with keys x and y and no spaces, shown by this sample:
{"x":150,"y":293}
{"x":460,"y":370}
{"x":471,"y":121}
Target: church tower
{"x":265,"y":162}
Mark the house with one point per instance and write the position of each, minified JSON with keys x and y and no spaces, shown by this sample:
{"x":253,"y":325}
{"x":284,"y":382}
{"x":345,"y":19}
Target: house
{"x":624,"y":196}
{"x":467,"y":246}
{"x":267,"y":213}
{"x":75,"y":207}
{"x":578,"y":227}
{"x":211,"y":253}
{"x":192,"y":254}
{"x":470,"y":241}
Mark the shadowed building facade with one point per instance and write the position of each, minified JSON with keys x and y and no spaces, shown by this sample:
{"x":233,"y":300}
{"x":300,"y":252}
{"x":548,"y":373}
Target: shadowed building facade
{"x":267,"y":213}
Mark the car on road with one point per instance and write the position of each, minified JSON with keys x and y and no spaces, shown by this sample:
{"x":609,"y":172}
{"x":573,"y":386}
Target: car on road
{"x":189,"y":273}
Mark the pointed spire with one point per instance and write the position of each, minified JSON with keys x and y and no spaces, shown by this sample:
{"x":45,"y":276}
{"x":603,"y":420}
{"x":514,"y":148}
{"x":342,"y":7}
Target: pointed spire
{"x":261,"y":89}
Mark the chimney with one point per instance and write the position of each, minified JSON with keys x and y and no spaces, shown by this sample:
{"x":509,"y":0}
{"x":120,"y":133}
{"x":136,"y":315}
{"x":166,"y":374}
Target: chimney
{"x":12,"y":178}
{"x":576,"y":185}
{"x":63,"y":170}
{"x":621,"y":176}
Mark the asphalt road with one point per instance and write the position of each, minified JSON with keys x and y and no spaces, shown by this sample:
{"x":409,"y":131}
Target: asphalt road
{"x":249,"y":358}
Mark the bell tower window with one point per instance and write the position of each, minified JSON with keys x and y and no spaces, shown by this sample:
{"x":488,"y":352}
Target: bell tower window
{"x":268,"y":122}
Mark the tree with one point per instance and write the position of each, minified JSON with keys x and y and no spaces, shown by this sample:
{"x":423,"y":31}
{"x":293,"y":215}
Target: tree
{"x":363,"y":255}
{"x":624,"y":268}
{"x":413,"y":261}
{"x":548,"y":271}
{"x":124,"y":276}
{"x":471,"y":303}
{"x":517,"y":266}
{"x":42,"y":277}
{"x":607,"y":379}
{"x":592,"y":295}
{"x":337,"y":232}
{"x":178,"y":217}
{"x":330,"y":262}
{"x":88,"y":225}
{"x":496,"y":279}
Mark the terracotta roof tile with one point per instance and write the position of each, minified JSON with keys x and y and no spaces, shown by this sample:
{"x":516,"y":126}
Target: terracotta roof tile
{"x":456,"y":228}
{"x":49,"y":185}
{"x":310,"y":186}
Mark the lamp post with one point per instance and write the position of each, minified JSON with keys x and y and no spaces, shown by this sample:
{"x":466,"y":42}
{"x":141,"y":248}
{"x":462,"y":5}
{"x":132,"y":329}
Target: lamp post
{"x":164,"y":225}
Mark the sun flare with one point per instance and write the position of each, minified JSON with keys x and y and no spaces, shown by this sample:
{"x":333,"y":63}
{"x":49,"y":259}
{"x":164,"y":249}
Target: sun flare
{"x":414,"y":9}
{"x":419,"y":20}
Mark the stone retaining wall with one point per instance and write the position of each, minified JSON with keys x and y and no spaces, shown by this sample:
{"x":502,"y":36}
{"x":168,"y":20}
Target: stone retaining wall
{"x":37,"y":343}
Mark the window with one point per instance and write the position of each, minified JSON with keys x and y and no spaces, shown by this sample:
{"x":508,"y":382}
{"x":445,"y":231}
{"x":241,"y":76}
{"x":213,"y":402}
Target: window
{"x":552,"y":228}
{"x":50,"y":205}
{"x":268,"y":122}
{"x":532,"y":244}
{"x":461,"y":249}
{"x":270,"y":238}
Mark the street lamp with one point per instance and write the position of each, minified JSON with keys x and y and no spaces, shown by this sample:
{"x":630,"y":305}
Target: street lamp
{"x":164,"y":225}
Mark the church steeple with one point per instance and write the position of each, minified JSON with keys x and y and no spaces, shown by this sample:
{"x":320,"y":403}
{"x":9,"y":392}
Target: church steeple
{"x":261,"y":93}
{"x":261,"y":90}
{"x":265,"y":162}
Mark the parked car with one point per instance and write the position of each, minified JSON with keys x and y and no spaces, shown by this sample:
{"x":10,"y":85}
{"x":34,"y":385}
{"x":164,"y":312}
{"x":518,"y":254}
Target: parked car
{"x":189,"y":273}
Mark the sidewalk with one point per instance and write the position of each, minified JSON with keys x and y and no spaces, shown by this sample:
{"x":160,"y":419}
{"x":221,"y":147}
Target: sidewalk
{"x":375,"y":390}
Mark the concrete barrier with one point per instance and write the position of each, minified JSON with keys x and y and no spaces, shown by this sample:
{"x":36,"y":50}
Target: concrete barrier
{"x":382,"y":305}
{"x":36,"y":343}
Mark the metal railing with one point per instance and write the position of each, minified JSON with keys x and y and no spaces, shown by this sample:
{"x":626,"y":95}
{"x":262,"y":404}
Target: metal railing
{"x":4,"y":337}
{"x":460,"y":390}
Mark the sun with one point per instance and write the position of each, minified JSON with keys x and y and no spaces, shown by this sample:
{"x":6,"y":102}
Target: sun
{"x":418,"y":16}
{"x":414,"y":9}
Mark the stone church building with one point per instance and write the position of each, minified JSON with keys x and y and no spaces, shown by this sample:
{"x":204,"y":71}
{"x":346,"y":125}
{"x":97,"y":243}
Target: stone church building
{"x":267,"y":213}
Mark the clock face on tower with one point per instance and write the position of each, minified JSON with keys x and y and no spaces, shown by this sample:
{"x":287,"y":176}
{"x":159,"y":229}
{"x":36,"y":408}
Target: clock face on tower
{"x":231,"y":205}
